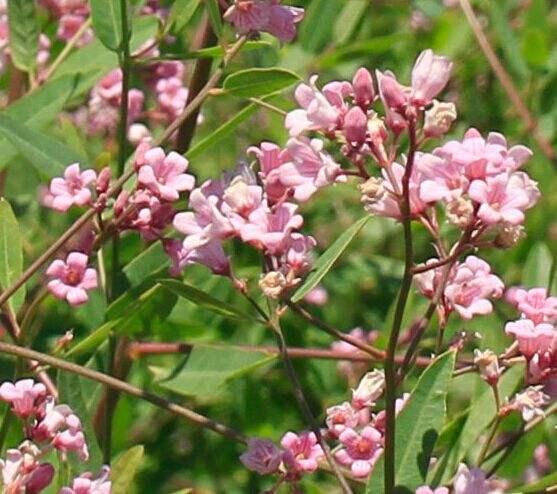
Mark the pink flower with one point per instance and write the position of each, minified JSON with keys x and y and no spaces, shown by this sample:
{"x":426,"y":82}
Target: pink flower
{"x":362,"y":84}
{"x":355,"y":125}
{"x":265,"y":15}
{"x":68,"y":27}
{"x":298,"y":255}
{"x":470,"y":287}
{"x":534,"y":304}
{"x":530,"y":402}
{"x":379,"y":420}
{"x":428,"y":490}
{"x":239,"y":200}
{"x":443,"y":179}
{"x":473,"y":481}
{"x":210,"y":254}
{"x":71,"y":279}
{"x":481,"y":157}
{"x":320,"y":110}
{"x":532,"y":339}
{"x":270,"y":230}
{"x":499,"y":200}
{"x":369,"y":389}
{"x":72,"y":189}
{"x":360,"y":451}
{"x":393,"y":94}
{"x":262,"y":456}
{"x":341,"y":417}
{"x":172,"y":97}
{"x":21,"y":472}
{"x":85,"y":484}
{"x":271,"y":157}
{"x":302,"y":453}
{"x":164,"y":174}
{"x":23,"y":395}
{"x":429,"y":76}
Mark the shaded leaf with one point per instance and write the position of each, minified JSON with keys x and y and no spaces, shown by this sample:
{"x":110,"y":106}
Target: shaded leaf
{"x":47,"y":155}
{"x":180,"y":14}
{"x":328,"y":258}
{"x":418,"y":426}
{"x":537,"y":267}
{"x":11,"y":254}
{"x":251,"y":83}
{"x":24,"y":33}
{"x":349,"y":19}
{"x":214,"y":16}
{"x":209,"y":368}
{"x":125,"y":468}
{"x":204,"y":300}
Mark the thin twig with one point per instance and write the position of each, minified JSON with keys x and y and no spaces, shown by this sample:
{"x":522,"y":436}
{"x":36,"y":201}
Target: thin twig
{"x":123,"y":387}
{"x":504,"y":78}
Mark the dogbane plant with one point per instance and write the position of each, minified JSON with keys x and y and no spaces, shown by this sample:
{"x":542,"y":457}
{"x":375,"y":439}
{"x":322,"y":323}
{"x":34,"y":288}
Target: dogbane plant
{"x":388,"y":139}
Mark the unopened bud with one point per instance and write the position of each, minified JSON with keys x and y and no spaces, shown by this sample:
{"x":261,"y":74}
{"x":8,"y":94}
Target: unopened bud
{"x":509,"y":235}
{"x":460,"y":212}
{"x":439,"y":118}
{"x":103,"y":180}
{"x":488,"y":366}
{"x":355,"y":125}
{"x":137,"y":133}
{"x":369,"y":389}
{"x":362,"y":83}
{"x":273,"y":284}
{"x":121,"y":202}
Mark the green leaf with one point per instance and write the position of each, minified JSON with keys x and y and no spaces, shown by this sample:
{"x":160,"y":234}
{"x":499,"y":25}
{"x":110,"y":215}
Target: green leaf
{"x":418,"y":426}
{"x":207,"y":371}
{"x":252,"y":83}
{"x":46,"y":154}
{"x":213,"y":51}
{"x":481,"y":413}
{"x":214,"y":16}
{"x":317,"y":28}
{"x":107,"y":22}
{"x":145,"y":264}
{"x":69,"y":390}
{"x":181,"y":13}
{"x":24,"y":33}
{"x":328,"y":258}
{"x":221,"y":132}
{"x":538,"y":486}
{"x":93,"y":341}
{"x":537,"y":266}
{"x":11,"y":254}
{"x":125,"y":468}
{"x":204,"y":300}
{"x":349,"y":19}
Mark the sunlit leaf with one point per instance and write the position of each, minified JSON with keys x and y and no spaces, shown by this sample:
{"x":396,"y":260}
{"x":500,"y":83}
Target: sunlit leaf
{"x":251,"y":83}
{"x":24,"y":33}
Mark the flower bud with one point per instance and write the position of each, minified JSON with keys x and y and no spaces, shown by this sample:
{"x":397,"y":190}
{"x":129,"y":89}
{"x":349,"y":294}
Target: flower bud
{"x":137,"y":133}
{"x":429,"y":76}
{"x":459,"y":212}
{"x":370,"y":388}
{"x":355,"y":125}
{"x":272,"y":284}
{"x":103,"y":180}
{"x":121,"y":202}
{"x":362,"y":83}
{"x":488,"y":366}
{"x":393,"y":94}
{"x":438,"y":119}
{"x":39,"y":478}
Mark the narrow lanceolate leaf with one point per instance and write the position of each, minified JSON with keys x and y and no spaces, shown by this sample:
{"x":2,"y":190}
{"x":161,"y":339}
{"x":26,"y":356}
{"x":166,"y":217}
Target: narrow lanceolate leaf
{"x":207,"y":372}
{"x":181,"y":13}
{"x":69,"y":391}
{"x":328,"y":258}
{"x":24,"y":33}
{"x":204,"y":300}
{"x":252,"y":83}
{"x":46,"y":154}
{"x":538,"y":486}
{"x":125,"y":468}
{"x":417,"y":427}
{"x":214,"y":16}
{"x":11,"y":254}
{"x":107,"y":22}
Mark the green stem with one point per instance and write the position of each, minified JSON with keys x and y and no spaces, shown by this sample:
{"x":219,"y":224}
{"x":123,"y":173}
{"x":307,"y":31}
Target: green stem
{"x":406,"y":283}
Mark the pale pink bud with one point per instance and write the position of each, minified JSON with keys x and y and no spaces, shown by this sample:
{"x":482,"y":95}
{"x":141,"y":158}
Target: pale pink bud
{"x":393,"y":94}
{"x":370,"y":388}
{"x":362,"y":83}
{"x":355,"y":125}
{"x":103,"y":181}
{"x":429,"y":76}
{"x":488,"y":366}
{"x":262,"y":456}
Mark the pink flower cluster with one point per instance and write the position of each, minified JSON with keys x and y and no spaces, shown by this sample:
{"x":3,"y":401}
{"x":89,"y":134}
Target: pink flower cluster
{"x":86,"y":484}
{"x":358,"y":431}
{"x":71,"y":15}
{"x":262,"y":216}
{"x":468,"y":289}
{"x":535,"y":331}
{"x":253,"y":16}
{"x":47,"y":426}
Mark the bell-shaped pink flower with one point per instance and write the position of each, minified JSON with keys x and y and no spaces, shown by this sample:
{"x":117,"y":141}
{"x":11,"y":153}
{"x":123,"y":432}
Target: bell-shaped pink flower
{"x":72,"y":279}
{"x":86,"y":484}
{"x":532,"y":338}
{"x":360,"y":451}
{"x":301,"y":452}
{"x":262,"y":456}
{"x":429,"y":76}
{"x":534,"y":304}
{"x":470,"y":286}
{"x":23,"y":396}
{"x":210,"y":254}
{"x":164,"y":174}
{"x":74,"y":188}
{"x":270,"y":230}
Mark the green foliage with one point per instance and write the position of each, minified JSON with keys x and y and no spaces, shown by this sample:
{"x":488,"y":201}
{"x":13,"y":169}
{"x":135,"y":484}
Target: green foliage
{"x":11,"y":254}
{"x":107,"y":22}
{"x":24,"y":33}
{"x":125,"y":469}
{"x":418,"y":427}
{"x":252,"y":83}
